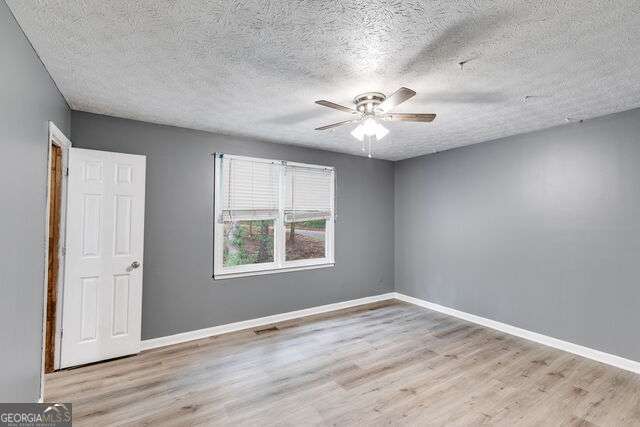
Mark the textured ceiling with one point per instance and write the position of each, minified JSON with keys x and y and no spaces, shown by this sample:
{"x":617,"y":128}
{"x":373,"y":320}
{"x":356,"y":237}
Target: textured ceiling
{"x":254,"y":68}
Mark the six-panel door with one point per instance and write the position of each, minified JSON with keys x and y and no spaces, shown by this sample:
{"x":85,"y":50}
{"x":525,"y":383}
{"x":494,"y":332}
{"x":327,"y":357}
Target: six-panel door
{"x":102,"y":302}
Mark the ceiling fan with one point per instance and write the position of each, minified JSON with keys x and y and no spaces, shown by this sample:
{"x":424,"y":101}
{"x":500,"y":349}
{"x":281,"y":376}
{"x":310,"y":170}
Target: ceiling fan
{"x":371,"y":107}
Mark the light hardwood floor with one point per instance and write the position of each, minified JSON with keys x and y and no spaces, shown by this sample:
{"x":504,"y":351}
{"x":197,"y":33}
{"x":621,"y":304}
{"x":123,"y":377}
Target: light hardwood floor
{"x":385,"y":364}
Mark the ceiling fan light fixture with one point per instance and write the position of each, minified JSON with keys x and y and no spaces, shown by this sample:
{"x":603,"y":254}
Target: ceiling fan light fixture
{"x":372,"y":105}
{"x":358,"y":133}
{"x":369,"y":128}
{"x":381,"y":132}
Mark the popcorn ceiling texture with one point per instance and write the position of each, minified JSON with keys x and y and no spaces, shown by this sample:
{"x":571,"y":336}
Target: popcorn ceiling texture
{"x":254,"y":68}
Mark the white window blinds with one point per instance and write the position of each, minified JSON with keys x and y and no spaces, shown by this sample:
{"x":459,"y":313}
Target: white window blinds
{"x":308,"y":193}
{"x":249,"y":189}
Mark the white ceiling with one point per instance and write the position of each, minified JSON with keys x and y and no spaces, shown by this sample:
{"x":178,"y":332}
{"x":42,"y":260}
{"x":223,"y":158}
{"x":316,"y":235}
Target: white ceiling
{"x":254,"y":68}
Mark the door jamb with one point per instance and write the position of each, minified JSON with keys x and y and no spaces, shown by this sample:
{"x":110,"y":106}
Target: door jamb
{"x":58,"y":138}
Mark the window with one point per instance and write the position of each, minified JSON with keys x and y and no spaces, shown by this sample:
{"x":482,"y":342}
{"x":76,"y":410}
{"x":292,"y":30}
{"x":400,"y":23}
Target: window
{"x":271,"y":216}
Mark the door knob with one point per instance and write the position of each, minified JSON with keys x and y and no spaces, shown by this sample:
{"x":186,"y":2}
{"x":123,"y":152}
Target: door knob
{"x":134,"y":265}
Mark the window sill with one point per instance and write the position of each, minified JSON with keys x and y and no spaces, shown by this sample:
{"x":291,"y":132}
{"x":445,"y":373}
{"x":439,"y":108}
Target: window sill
{"x":223,"y":276}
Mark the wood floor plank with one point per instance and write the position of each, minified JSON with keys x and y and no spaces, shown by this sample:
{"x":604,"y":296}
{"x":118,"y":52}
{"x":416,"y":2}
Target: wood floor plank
{"x":383,"y":364}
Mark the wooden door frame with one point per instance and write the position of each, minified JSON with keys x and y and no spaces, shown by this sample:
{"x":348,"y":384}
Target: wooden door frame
{"x":56,"y":137}
{"x":56,"y":177}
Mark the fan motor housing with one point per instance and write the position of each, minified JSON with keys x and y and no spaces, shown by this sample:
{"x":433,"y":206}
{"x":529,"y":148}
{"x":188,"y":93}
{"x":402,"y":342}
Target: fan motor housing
{"x":368,"y":101}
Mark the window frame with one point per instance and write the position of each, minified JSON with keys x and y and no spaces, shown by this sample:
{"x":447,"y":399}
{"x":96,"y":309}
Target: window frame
{"x":279,"y":264}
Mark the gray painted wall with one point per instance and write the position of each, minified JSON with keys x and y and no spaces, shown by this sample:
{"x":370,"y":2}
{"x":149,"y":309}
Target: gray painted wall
{"x":541,"y":231}
{"x":178,"y":292}
{"x":29,"y":100}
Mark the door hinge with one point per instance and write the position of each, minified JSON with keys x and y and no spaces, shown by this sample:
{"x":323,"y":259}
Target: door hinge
{"x":61,"y":332}
{"x":66,"y":172}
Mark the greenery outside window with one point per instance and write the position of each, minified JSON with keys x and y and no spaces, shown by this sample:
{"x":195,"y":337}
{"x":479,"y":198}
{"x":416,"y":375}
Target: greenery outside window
{"x":271,"y":216}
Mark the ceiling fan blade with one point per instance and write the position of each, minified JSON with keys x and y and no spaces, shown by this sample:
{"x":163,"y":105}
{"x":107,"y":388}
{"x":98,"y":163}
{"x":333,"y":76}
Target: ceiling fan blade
{"x":410,"y":117}
{"x":336,"y":106}
{"x":396,"y":98}
{"x":335,"y":125}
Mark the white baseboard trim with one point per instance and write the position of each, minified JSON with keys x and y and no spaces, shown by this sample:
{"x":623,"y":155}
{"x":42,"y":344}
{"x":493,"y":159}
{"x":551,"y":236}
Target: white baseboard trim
{"x":261,"y":321}
{"x":597,"y":355}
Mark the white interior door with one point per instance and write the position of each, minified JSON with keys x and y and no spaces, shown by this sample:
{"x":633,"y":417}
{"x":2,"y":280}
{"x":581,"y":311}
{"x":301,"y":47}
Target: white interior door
{"x":102,"y":305}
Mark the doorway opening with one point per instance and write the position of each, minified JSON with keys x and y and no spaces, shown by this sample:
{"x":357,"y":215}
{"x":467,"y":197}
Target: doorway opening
{"x":58,"y":148}
{"x":53,"y":255}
